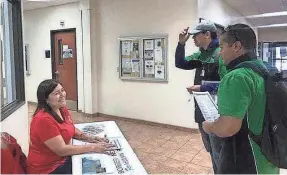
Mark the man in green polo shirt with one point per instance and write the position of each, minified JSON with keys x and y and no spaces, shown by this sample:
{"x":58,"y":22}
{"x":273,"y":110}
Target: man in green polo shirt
{"x":241,"y":105}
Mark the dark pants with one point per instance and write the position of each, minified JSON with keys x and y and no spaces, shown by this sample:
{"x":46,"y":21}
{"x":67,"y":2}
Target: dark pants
{"x":213,"y":145}
{"x":66,"y":168}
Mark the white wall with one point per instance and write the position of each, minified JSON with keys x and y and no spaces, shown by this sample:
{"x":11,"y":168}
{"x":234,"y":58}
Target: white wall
{"x":17,"y":125}
{"x":158,"y":102}
{"x":38,"y":24}
{"x":220,"y":12}
{"x":273,"y":34}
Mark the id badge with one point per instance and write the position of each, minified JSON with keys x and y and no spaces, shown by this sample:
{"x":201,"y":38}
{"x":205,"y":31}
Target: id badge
{"x":202,"y":73}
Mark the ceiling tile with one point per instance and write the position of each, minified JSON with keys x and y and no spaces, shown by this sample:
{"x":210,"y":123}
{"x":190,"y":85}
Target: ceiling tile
{"x":269,"y":6}
{"x":284,"y":5}
{"x":244,"y":7}
{"x":30,"y":5}
{"x":268,"y":20}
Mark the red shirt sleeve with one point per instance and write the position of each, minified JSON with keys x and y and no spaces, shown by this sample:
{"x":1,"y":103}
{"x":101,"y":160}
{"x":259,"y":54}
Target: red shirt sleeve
{"x":46,"y":129}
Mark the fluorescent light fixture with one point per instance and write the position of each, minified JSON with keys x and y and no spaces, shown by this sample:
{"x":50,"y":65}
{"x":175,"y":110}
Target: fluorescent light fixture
{"x":282,"y":13}
{"x":273,"y":25}
{"x":40,"y":0}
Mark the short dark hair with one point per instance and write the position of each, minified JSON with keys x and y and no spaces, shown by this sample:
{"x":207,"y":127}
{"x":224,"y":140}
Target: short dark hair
{"x":242,"y":33}
{"x":45,"y":88}
{"x":213,"y":35}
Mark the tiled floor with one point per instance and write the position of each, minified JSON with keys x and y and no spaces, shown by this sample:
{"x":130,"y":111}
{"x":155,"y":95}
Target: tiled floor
{"x":161,"y":150}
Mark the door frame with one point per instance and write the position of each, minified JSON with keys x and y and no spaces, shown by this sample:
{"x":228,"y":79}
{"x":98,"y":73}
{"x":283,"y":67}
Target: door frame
{"x":52,"y":34}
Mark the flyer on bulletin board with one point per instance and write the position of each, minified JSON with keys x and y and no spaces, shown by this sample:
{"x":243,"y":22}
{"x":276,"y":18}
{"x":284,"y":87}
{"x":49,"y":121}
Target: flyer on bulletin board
{"x":149,"y":67}
{"x":148,"y":44}
{"x":158,"y":44}
{"x":126,"y":48}
{"x":158,"y":55}
{"x":126,"y":65}
{"x":148,"y":54}
{"x":136,"y":66}
{"x":159,"y":71}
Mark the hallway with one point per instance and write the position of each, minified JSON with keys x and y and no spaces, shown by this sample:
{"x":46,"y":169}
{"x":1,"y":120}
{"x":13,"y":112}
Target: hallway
{"x":160,"y":150}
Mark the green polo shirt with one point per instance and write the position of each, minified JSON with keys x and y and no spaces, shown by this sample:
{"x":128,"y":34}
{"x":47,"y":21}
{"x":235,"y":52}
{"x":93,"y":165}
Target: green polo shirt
{"x":207,"y":57}
{"x":242,"y":91}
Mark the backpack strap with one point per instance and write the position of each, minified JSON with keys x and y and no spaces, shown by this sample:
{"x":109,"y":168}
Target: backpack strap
{"x":261,"y":70}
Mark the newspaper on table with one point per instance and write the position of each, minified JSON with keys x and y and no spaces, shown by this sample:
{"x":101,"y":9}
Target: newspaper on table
{"x":115,"y":163}
{"x":207,"y":105}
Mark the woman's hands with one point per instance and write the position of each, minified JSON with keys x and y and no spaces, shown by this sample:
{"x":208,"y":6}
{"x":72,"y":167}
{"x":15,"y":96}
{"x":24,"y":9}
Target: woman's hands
{"x":93,"y":139}
{"x":101,"y":147}
{"x":96,"y":139}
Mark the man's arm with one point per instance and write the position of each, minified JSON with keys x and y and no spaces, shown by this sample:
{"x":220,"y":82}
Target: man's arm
{"x":234,"y":98}
{"x":186,"y":63}
{"x":213,"y":87}
{"x":225,"y":126}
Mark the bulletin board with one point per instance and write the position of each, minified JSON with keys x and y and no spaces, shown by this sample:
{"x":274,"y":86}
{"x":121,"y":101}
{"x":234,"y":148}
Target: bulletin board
{"x":143,"y":58}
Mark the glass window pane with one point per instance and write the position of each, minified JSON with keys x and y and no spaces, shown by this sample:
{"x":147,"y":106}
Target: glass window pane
{"x":8,"y":89}
{"x":60,"y":51}
{"x":281,"y":57}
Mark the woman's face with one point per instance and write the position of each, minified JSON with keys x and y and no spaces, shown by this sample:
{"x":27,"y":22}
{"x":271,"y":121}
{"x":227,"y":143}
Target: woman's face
{"x":57,"y":98}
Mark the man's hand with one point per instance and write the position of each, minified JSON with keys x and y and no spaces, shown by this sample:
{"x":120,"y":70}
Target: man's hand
{"x":194,"y":88}
{"x":184,"y":36}
{"x":206,"y":125}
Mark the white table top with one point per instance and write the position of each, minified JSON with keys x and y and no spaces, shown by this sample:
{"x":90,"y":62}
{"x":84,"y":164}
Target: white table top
{"x":131,"y":165}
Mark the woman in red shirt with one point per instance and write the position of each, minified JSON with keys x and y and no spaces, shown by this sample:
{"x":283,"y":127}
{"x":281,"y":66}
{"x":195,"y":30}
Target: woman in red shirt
{"x":51,"y":132}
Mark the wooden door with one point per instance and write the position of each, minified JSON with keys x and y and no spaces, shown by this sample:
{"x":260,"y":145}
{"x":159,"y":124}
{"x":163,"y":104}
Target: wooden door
{"x":64,"y":64}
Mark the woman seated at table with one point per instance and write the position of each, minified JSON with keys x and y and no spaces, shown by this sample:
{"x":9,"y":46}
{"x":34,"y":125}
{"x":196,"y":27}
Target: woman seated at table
{"x":51,"y":132}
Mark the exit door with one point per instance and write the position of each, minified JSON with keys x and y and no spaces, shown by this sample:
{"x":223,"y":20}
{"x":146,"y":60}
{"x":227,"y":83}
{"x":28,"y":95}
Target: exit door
{"x":64,"y":64}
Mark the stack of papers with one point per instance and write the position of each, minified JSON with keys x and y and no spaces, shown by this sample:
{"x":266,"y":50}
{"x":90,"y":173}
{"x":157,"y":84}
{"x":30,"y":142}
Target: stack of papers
{"x":207,"y":105}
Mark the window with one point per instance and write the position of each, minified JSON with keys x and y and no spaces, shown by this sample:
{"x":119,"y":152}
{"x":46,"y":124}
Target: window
{"x":274,"y":54}
{"x":11,"y":54}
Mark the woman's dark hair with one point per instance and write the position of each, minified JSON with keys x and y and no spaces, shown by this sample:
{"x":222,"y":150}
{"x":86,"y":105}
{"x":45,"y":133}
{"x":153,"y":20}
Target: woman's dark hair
{"x":45,"y":88}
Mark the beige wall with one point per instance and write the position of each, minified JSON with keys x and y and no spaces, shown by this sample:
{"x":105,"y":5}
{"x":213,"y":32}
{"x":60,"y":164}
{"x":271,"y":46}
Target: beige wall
{"x":219,"y":12}
{"x":157,"y":102}
{"x":273,"y":34}
{"x":17,"y":126}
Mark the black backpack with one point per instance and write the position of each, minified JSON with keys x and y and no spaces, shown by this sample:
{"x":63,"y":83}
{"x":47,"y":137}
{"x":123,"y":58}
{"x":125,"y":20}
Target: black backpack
{"x":273,"y":139}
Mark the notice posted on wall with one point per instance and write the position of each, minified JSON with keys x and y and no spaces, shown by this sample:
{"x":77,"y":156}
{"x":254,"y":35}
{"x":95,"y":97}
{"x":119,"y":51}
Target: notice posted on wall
{"x":207,"y":105}
{"x":149,"y":67}
{"x":159,"y":71}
